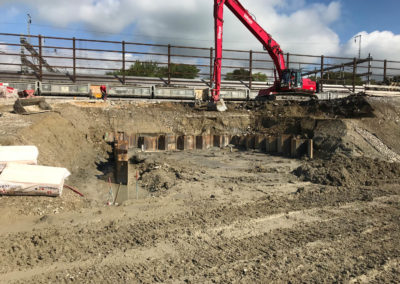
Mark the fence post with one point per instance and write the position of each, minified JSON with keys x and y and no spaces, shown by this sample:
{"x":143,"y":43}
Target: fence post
{"x":250,"y":69}
{"x":354,"y":74}
{"x":211,"y":66}
{"x":321,"y":81}
{"x":123,"y":62}
{"x":169,"y":64}
{"x":287,"y":60}
{"x":369,"y":69}
{"x":74,"y":59}
{"x":384,"y":70}
{"x":40,"y":59}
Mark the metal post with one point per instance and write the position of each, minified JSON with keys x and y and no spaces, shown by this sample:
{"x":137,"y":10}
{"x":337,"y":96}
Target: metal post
{"x":123,"y":62}
{"x":169,"y":64}
{"x":384,"y":70}
{"x":40,"y":59}
{"x":287,"y":60}
{"x":321,"y":81}
{"x":354,"y":74}
{"x":74,"y":58}
{"x":211,"y":66}
{"x":369,"y":69}
{"x":250,"y":69}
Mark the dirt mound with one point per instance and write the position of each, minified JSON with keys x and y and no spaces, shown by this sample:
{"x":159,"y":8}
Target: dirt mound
{"x":355,"y":106}
{"x":156,"y":175}
{"x":349,"y":171}
{"x":157,"y":178}
{"x":329,"y":137}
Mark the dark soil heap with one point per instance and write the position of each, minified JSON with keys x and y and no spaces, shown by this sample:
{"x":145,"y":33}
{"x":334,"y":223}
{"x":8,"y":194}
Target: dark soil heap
{"x":341,"y":170}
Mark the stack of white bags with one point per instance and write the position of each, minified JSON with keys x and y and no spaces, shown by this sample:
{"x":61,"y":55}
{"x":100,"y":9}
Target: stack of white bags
{"x":20,"y":174}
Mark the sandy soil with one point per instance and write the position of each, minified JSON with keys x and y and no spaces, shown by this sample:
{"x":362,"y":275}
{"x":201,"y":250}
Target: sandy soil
{"x":210,"y":216}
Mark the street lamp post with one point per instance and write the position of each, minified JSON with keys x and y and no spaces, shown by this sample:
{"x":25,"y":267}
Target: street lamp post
{"x":359,"y":44}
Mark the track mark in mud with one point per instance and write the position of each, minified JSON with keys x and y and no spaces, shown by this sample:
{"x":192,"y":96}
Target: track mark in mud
{"x":257,"y":226}
{"x":333,"y":248}
{"x":159,"y":251}
{"x":42,"y":247}
{"x":336,"y":233}
{"x":384,"y":273}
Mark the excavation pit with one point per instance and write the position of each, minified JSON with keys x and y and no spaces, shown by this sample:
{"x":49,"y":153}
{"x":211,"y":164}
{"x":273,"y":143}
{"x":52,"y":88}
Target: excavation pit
{"x":185,"y":207}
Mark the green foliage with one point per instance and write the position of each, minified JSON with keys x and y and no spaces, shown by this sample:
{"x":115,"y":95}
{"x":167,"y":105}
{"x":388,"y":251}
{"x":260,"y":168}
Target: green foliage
{"x":244,"y":75}
{"x":345,"y":78}
{"x":145,"y":69}
{"x":261,"y":77}
{"x":180,"y":71}
{"x":152,"y":69}
{"x":395,"y":79}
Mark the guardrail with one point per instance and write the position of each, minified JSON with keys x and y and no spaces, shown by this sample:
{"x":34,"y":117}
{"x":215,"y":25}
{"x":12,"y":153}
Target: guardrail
{"x":60,"y":59}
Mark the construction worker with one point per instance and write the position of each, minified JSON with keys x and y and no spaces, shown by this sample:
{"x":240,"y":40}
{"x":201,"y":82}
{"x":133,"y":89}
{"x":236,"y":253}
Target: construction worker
{"x":293,"y":79}
{"x":103,"y":90}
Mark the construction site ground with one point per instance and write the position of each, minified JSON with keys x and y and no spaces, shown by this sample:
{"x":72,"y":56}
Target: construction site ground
{"x":210,"y":216}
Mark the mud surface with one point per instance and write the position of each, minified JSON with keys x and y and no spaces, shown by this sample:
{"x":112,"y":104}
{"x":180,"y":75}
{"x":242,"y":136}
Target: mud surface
{"x":213,"y":216}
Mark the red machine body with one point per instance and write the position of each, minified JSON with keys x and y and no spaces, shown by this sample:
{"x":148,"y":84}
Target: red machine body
{"x":284,"y":79}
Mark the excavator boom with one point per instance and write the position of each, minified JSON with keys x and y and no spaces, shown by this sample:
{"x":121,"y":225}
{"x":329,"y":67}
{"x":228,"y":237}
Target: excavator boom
{"x":266,"y":40}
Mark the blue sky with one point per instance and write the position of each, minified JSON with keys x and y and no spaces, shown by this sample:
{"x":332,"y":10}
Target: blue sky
{"x":368,"y":15}
{"x":303,"y":26}
{"x":357,"y":15}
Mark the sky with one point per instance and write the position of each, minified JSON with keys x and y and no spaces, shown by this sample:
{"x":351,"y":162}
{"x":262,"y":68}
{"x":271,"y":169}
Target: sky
{"x":300,"y":26}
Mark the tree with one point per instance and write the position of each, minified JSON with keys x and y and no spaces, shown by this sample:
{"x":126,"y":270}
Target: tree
{"x":396,"y":79}
{"x":261,"y":77}
{"x":244,"y":75}
{"x":145,"y":69}
{"x":345,"y":78}
{"x":152,"y":69}
{"x":180,"y":71}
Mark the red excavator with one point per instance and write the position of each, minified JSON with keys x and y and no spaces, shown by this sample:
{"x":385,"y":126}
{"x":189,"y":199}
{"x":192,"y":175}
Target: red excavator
{"x":287,"y":81}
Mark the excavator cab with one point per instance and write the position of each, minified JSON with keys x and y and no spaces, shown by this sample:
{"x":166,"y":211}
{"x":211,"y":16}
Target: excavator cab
{"x":291,"y":78}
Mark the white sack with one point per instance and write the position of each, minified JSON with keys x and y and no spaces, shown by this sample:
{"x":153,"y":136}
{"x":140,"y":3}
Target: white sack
{"x":18,"y":154}
{"x":20,"y":179}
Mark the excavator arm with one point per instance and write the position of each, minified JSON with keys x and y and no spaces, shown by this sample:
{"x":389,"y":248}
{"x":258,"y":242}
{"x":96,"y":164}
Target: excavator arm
{"x":244,"y":16}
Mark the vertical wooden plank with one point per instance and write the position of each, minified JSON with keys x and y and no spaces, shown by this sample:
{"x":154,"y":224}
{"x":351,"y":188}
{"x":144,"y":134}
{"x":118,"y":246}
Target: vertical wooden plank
{"x":384,"y":70}
{"x":74,"y":59}
{"x":169,"y":64}
{"x":287,"y":60}
{"x":354,"y":74}
{"x":250,"y":69}
{"x":321,"y":83}
{"x":40,"y":59}
{"x":369,"y":69}
{"x":123,"y":62}
{"x":211,"y":66}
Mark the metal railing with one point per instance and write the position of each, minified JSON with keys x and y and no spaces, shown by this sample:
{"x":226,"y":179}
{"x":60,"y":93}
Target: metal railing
{"x":78,"y":59}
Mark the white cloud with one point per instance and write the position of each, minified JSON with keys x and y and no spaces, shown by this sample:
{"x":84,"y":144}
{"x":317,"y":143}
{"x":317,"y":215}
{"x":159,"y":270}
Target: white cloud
{"x":299,"y":27}
{"x":380,"y":44}
{"x":191,"y":21}
{"x":9,"y":59}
